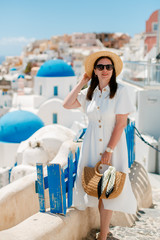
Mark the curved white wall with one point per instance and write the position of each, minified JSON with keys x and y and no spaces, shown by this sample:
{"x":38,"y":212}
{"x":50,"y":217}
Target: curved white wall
{"x":65,"y":117}
{"x":8,"y":154}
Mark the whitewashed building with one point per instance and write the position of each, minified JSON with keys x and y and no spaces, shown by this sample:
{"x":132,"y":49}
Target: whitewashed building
{"x":53,"y":82}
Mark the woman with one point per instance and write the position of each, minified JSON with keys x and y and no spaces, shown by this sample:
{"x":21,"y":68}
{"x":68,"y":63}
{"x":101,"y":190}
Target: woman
{"x":107,"y":106}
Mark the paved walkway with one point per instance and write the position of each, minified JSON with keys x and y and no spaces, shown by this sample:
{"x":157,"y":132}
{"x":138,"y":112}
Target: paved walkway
{"x":147,"y":226}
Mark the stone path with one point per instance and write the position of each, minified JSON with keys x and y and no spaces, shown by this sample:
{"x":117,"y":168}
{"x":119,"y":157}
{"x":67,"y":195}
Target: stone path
{"x":147,"y":226}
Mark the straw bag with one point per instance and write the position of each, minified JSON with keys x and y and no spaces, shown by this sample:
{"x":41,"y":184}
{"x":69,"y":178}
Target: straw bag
{"x":91,"y":179}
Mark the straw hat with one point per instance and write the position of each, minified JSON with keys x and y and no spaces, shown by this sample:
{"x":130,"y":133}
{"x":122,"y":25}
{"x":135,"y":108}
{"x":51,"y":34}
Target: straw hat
{"x":89,"y":63}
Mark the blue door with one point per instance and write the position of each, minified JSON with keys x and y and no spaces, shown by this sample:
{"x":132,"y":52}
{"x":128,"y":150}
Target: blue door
{"x":55,"y":91}
{"x":70,"y":88}
{"x":40,"y":90}
{"x":54,"y":118}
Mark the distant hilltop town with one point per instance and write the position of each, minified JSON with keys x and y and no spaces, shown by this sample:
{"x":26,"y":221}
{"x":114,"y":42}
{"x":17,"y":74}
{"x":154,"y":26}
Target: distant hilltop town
{"x":67,"y":47}
{"x":77,"y":46}
{"x":73,"y":49}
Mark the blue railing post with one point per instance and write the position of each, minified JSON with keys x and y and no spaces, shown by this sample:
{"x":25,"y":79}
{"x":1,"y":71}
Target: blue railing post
{"x":56,"y":188}
{"x":70,"y":178}
{"x":133,"y":142}
{"x":40,"y":186}
{"x":63,"y":185}
{"x":77,"y":152}
{"x":129,"y":130}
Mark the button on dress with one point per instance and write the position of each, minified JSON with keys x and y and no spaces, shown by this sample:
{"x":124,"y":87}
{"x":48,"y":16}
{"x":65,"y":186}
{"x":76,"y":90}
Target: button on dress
{"x":101,"y":112}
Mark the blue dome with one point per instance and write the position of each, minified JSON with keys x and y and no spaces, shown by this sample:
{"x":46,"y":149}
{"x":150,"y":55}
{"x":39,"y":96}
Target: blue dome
{"x":13,"y":69}
{"x":20,"y":76}
{"x":18,"y":126}
{"x":55,"y":68}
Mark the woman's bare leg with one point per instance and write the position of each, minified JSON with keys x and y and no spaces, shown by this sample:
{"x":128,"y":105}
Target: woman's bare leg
{"x":105,"y":218}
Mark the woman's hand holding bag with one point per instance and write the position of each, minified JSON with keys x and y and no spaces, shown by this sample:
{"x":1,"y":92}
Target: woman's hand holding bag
{"x":107,"y":186}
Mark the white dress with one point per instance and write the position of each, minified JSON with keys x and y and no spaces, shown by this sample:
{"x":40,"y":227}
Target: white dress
{"x":101,"y":112}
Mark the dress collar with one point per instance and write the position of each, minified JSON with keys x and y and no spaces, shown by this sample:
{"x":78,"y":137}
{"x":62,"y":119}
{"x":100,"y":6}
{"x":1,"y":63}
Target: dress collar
{"x":105,"y":89}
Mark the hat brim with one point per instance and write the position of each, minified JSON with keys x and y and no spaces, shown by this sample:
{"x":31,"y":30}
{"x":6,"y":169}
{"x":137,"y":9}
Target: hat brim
{"x":89,"y":63}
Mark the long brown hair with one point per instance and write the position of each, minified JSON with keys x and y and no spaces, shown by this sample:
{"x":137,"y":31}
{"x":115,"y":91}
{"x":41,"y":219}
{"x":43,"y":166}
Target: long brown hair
{"x":94,"y":81}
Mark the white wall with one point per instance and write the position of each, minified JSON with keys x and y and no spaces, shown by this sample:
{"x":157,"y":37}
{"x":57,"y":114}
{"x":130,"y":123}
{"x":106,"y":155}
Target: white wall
{"x":4,"y":176}
{"x":149,"y":112}
{"x":8,"y":154}
{"x":48,"y":83}
{"x":38,"y":100}
{"x":145,"y":154}
{"x":147,"y":119}
{"x":65,"y":117}
{"x":49,"y":137}
{"x":133,"y":91}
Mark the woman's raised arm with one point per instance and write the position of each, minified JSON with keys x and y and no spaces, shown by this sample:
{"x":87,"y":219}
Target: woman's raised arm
{"x":71,"y":100}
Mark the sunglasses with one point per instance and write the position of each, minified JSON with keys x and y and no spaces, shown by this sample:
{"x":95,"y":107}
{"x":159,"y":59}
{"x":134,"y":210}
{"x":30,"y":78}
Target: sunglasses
{"x":100,"y":67}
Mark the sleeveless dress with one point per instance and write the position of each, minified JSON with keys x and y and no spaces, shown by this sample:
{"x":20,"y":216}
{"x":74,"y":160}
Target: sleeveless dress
{"x":101,"y":112}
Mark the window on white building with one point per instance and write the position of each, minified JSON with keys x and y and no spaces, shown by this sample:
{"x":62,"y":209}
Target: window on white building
{"x":55,"y":118}
{"x":70,"y":87}
{"x":155,"y":27}
{"x":40,"y":90}
{"x":145,"y":49}
{"x":55,"y":91}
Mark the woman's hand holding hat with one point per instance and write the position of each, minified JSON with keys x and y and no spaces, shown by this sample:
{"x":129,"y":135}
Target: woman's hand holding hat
{"x":84,"y":79}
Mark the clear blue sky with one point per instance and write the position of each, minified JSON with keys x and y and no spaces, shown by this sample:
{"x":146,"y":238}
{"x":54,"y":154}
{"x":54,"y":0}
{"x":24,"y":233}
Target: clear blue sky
{"x":24,"y":20}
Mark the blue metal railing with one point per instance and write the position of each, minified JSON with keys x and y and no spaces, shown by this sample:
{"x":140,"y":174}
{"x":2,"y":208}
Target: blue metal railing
{"x":60,"y":183}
